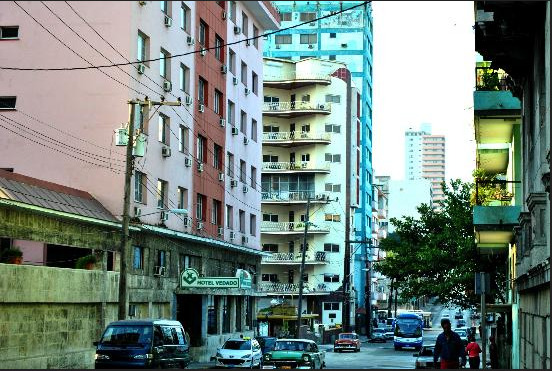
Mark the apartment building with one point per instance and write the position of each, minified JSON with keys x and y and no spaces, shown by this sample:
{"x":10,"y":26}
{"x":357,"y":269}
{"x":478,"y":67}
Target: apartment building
{"x":425,"y":159}
{"x":310,"y":122}
{"x":59,"y":127}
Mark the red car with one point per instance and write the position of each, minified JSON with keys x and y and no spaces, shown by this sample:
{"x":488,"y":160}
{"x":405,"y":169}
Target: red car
{"x":347,"y":341}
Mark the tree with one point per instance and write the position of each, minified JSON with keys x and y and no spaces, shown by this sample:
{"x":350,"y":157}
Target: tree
{"x":436,"y":255}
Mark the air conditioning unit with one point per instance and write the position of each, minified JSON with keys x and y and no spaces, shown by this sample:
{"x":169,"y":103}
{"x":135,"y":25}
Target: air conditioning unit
{"x":187,"y":162}
{"x":221,"y":177}
{"x":224,"y":68}
{"x":233,"y":183}
{"x":189,"y":99}
{"x":121,"y":137}
{"x":278,"y":46}
{"x":245,"y":140}
{"x":235,"y":131}
{"x":159,"y":271}
{"x":222,"y":122}
{"x":312,"y":24}
{"x":200,"y":166}
{"x":245,"y":189}
{"x":203,"y":52}
{"x":186,"y":222}
{"x":344,"y":45}
{"x":311,"y":46}
{"x":137,"y":211}
{"x":232,"y":236}
{"x":235,"y":80}
{"x":245,"y":239}
{"x":168,"y":21}
{"x":224,"y":15}
{"x":248,"y":42}
{"x":166,"y":151}
{"x":220,"y":231}
{"x":141,"y":68}
{"x":199,"y":226}
{"x":321,"y":106}
{"x":237,"y":30}
{"x":142,"y":3}
{"x":201,"y":107}
{"x":247,"y":91}
{"x":164,"y":216}
{"x":190,"y":40}
{"x":167,"y":86}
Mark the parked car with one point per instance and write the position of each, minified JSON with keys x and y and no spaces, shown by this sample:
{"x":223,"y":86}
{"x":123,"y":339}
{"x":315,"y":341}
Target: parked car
{"x":389,"y":334}
{"x":463,"y":332}
{"x":239,"y":353}
{"x":378,"y":334}
{"x":458,"y":315}
{"x":445,"y":315}
{"x":347,"y":341}
{"x":461,"y":323}
{"x":424,"y":357}
{"x":267,"y":343}
{"x":294,"y":353}
{"x":154,"y":343}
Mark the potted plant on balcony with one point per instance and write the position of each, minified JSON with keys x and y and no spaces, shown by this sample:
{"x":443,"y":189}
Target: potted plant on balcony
{"x":86,"y":262}
{"x":12,"y":255}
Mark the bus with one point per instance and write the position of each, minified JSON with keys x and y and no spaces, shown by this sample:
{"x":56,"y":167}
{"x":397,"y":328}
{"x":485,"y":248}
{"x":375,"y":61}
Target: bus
{"x":409,"y":330}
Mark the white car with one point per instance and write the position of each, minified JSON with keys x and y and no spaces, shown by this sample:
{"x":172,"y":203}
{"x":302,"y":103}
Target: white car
{"x":239,"y":353}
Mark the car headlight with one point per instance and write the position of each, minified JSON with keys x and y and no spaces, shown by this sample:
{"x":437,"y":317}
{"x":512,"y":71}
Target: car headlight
{"x":247,"y":356}
{"x":102,"y":356}
{"x":143,"y":356}
{"x":306,"y":358}
{"x":219,"y":355}
{"x":267,"y":357}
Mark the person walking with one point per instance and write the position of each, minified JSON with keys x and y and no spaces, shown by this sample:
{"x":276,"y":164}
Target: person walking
{"x":493,"y":352}
{"x":449,"y":348}
{"x":473,"y":351}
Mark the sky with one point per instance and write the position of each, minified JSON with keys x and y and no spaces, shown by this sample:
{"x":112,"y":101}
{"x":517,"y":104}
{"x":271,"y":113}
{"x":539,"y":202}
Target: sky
{"x":423,"y":72}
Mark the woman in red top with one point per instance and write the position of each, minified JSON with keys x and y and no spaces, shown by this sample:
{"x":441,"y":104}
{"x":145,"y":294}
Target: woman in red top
{"x":473,"y":351}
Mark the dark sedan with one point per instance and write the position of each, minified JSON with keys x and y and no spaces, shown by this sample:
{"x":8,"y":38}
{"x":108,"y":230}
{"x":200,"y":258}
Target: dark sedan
{"x":424,"y":357}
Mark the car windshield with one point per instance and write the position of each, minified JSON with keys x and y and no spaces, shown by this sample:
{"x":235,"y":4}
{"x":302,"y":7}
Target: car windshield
{"x":237,"y":345}
{"x":127,"y":336}
{"x":291,"y":345}
{"x":346,"y":336}
{"x":460,"y":332}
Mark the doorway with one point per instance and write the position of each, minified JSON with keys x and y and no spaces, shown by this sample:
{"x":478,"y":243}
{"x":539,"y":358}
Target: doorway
{"x":189,"y":313}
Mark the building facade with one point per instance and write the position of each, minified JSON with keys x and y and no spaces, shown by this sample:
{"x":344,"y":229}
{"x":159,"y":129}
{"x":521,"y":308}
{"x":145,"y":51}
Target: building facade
{"x":310,"y":118}
{"x":184,"y":164}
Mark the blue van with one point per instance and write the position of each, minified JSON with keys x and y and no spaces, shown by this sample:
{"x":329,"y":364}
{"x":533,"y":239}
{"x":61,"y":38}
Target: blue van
{"x":146,"y":343}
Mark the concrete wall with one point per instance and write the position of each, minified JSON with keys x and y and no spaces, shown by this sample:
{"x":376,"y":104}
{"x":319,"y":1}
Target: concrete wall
{"x":534,"y":323}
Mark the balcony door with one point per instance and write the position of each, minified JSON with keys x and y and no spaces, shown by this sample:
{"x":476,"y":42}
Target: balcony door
{"x":292,"y":101}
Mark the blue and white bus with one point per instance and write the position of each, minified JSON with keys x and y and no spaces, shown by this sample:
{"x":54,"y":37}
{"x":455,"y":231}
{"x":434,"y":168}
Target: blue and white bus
{"x":409,"y":330}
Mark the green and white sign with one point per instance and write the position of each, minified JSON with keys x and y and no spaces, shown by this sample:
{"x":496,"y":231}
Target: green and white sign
{"x":190,"y":278}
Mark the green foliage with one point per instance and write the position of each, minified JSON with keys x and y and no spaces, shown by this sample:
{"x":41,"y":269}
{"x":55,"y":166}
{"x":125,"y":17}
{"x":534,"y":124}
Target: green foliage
{"x":436,"y":255}
{"x":85,"y":260}
{"x":12,"y":252}
{"x":488,"y":194}
{"x":489,"y":80}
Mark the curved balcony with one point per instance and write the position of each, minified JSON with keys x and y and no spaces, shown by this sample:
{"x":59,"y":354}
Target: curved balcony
{"x":311,"y":258}
{"x":296,"y":109}
{"x":298,"y":166}
{"x":286,"y":198}
{"x":293,"y":288}
{"x":291,"y":139}
{"x":294,"y":81}
{"x":286,"y":228}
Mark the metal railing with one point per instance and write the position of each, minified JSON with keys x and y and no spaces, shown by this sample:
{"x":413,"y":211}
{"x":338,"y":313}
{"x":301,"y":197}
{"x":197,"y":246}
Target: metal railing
{"x":296,"y":106}
{"x":288,"y":257}
{"x":488,"y":79}
{"x":298,"y":165}
{"x":494,"y":191}
{"x":294,"y":227}
{"x":296,"y":136}
{"x":294,"y":76}
{"x":287,"y":196}
{"x":291,"y":287}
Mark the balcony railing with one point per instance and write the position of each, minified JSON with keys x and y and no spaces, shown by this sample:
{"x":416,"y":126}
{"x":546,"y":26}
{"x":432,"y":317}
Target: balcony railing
{"x":295,"y":227}
{"x":289,"y":258}
{"x":382,"y":214}
{"x":296,"y":166}
{"x":283,"y":137}
{"x":296,"y":106}
{"x":292,"y":288}
{"x":488,"y":79}
{"x":295,"y":76}
{"x":300,"y":196}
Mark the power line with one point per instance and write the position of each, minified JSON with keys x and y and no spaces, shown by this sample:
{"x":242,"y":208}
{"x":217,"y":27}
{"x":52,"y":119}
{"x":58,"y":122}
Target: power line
{"x":266,"y":34}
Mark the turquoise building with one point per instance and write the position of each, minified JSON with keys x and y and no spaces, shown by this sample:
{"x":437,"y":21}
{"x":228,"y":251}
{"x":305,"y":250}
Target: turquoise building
{"x":345,"y":37}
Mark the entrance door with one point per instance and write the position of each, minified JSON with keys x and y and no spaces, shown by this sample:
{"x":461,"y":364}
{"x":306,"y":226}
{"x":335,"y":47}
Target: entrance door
{"x":189,"y":313}
{"x":291,"y":219}
{"x":292,"y":101}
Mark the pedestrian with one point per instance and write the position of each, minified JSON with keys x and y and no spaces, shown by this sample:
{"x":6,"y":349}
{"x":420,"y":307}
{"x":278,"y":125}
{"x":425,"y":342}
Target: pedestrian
{"x":493,"y":352}
{"x":473,"y":351}
{"x":449,"y":348}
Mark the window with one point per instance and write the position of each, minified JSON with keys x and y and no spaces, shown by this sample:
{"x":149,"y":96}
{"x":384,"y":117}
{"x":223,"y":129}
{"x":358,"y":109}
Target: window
{"x":215,"y":212}
{"x":331,"y":306}
{"x":333,"y":98}
{"x":203,"y":33}
{"x":254,"y":83}
{"x":243,"y":122}
{"x":286,"y":17}
{"x":282,"y":39}
{"x":218,"y":102}
{"x":254,"y":130}
{"x":164,"y":64}
{"x":245,"y":25}
{"x":232,"y":11}
{"x":243,"y":171}
{"x":217,"y":156}
{"x":332,"y":158}
{"x":219,"y":51}
{"x":305,"y":98}
{"x":230,"y":117}
{"x":255,"y":34}
{"x":7,"y":103}
{"x":244,"y":73}
{"x":184,"y":139}
{"x":242,"y":221}
{"x":184,"y":78}
{"x":333,"y":35}
{"x":182,"y":194}
{"x":332,"y":128}
{"x":211,"y":315}
{"x":270,"y":158}
{"x":161,"y":193}
{"x":328,"y":277}
{"x":161,"y":258}
{"x":252,"y":224}
{"x":331,"y":57}
{"x":201,"y":201}
{"x":232,"y":61}
{"x":331,"y":247}
{"x":201,"y":90}
{"x":140,"y":182}
{"x":332,"y":217}
{"x":270,"y":247}
{"x":269,"y":277}
{"x":201,"y":154}
{"x":253,"y":177}
{"x":308,"y":38}
{"x":185,"y":16}
{"x":143,"y":48}
{"x":304,"y":17}
{"x":138,"y":258}
{"x":9,"y":32}
{"x":229,"y":217}
{"x":270,"y":218}
{"x":163,"y":132}
{"x":230,"y":165}
{"x":165,"y":7}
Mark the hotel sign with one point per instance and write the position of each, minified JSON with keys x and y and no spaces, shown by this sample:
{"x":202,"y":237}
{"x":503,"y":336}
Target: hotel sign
{"x":190,"y":278}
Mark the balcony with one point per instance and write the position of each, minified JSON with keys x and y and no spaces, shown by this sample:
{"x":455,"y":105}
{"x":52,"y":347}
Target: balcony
{"x":382,"y":214}
{"x":293,"y":288}
{"x":382,"y":233}
{"x":296,"y":80}
{"x":311,"y":257}
{"x":494,"y":227}
{"x":298,"y":166}
{"x":295,"y":109}
{"x":291,"y":139}
{"x":287,"y":228}
{"x":286,"y":198}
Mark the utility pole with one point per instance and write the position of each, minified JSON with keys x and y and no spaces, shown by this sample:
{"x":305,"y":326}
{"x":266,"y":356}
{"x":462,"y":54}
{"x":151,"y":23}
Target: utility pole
{"x":301,"y":270}
{"x":483,"y":322}
{"x":125,"y":241}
